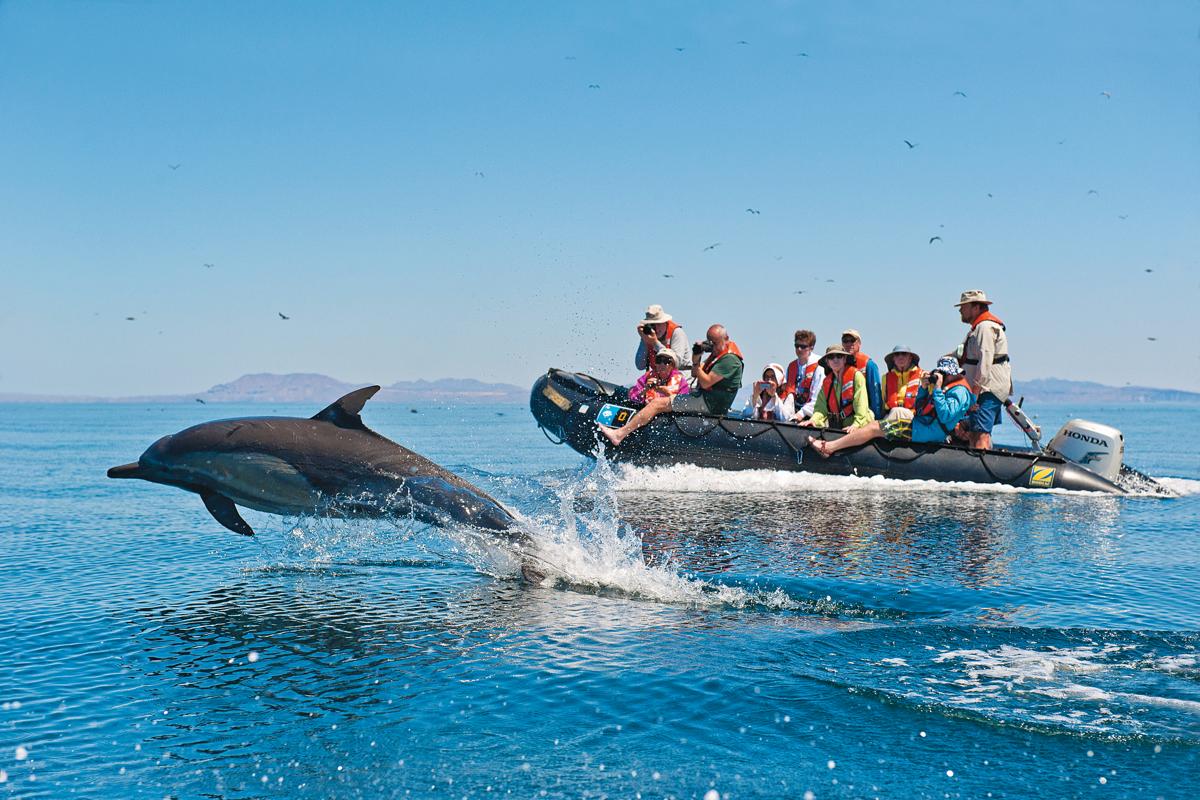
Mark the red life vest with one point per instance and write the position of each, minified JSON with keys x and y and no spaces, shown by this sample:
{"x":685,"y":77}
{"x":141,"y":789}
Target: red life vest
{"x":727,"y":348}
{"x":986,"y":316}
{"x":860,"y":360}
{"x":840,"y":407}
{"x":801,"y":383}
{"x":928,"y":410}
{"x":900,"y":388}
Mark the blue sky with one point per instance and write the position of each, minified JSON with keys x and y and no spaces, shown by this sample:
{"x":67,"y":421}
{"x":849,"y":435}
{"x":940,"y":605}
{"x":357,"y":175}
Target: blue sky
{"x":328,"y":157}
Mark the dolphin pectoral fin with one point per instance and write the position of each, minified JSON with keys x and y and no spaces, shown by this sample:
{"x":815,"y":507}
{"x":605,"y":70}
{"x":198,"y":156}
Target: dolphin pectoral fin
{"x":344,"y":411}
{"x":226,"y":513}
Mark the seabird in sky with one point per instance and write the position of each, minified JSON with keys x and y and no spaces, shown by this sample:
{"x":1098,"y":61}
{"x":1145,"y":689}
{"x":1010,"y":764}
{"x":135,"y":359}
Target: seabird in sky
{"x":282,"y":315}
{"x":712,"y":246}
{"x":910,"y":144}
{"x":933,"y":239}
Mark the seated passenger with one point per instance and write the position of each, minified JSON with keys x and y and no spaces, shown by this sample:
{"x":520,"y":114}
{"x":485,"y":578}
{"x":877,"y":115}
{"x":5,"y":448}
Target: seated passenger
{"x":663,"y":379}
{"x":659,"y":332}
{"x":852,"y":344}
{"x":805,"y":375}
{"x":717,"y":381}
{"x":771,"y":399}
{"x":842,"y":400}
{"x":941,"y":404}
{"x":901,"y":383}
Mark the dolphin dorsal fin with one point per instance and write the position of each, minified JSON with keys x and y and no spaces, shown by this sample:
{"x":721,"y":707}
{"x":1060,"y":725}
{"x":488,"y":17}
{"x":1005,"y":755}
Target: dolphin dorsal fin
{"x":343,"y":412}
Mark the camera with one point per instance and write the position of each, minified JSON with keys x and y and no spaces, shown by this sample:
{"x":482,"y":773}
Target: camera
{"x":702,"y":347}
{"x":648,"y":330}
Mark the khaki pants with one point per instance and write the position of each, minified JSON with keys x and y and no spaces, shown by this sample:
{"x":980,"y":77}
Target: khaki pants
{"x":898,"y":414}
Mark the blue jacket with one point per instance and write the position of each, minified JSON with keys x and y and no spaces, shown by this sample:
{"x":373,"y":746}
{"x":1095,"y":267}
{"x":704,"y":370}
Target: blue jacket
{"x":874,"y":389}
{"x":949,"y":406}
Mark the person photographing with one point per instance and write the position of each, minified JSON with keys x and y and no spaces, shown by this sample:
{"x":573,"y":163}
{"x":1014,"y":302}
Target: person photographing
{"x":717,"y":380}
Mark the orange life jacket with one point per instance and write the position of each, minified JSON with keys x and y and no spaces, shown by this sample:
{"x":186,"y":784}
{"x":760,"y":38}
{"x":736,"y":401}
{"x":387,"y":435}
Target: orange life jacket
{"x":729,"y":347}
{"x":928,"y":409}
{"x":900,"y":388}
{"x":986,"y":316}
{"x":860,"y":360}
{"x":840,"y":407}
{"x":799,"y":383}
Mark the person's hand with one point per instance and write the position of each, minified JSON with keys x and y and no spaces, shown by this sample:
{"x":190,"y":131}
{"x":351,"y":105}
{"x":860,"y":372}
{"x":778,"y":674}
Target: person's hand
{"x":936,"y":380}
{"x":650,"y":338}
{"x":805,"y":423}
{"x":769,"y":390}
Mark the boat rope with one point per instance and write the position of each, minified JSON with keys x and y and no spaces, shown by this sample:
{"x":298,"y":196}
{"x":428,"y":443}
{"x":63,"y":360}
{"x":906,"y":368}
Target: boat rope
{"x":546,"y":433}
{"x":982,"y":455}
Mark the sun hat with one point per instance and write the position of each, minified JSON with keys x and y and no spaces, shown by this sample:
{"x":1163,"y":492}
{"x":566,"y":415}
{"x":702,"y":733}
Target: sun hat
{"x":832,"y":350}
{"x":950,"y":366}
{"x":780,"y":375}
{"x":853,"y":333}
{"x":973,"y":296}
{"x":655,"y":315}
{"x":667,"y":352}
{"x":916,"y":359}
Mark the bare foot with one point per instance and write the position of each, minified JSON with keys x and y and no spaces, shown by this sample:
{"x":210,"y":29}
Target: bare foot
{"x":614,"y":435}
{"x":821,"y":446}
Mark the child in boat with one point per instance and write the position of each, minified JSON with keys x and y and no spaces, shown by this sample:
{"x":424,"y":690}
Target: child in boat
{"x":662,"y":379}
{"x":942,"y":402}
{"x":771,"y":399}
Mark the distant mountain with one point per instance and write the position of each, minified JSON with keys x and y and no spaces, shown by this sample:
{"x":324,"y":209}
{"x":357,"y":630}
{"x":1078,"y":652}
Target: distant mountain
{"x":300,"y":387}
{"x":1057,"y":390}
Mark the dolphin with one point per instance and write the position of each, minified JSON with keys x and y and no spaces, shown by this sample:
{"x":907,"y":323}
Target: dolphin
{"x":330,"y":465}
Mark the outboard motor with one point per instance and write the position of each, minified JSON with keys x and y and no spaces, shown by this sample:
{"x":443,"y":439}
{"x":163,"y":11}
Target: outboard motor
{"x":1096,"y":447}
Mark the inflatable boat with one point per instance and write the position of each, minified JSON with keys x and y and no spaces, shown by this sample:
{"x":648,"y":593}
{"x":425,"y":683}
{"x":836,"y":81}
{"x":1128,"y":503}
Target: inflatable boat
{"x":1083,"y":456}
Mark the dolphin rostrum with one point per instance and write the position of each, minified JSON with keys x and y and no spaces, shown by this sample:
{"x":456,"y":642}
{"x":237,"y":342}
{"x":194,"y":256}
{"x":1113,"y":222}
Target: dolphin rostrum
{"x":330,"y":465}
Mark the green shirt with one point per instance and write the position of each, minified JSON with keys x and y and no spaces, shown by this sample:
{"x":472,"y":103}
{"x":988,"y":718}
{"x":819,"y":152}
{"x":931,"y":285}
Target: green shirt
{"x":862,"y":410}
{"x":720,"y":397}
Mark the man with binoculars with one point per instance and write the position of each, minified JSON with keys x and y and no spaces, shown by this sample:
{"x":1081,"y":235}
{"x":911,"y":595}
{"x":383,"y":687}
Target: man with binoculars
{"x":717,"y":381}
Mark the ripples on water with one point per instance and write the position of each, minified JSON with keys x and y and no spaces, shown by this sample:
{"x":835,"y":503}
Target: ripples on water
{"x":758,"y":634}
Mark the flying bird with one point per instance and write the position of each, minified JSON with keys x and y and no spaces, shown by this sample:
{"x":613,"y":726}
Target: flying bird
{"x":174,"y":167}
{"x":742,"y":41}
{"x":412,"y":411}
{"x":208,"y":266}
{"x":1092,"y":191}
{"x":130,"y":319}
{"x":666,"y":275}
{"x":933,"y":239}
{"x":1122,"y":216}
{"x":1149,"y":270}
{"x":798,"y":291}
{"x":593,"y":86}
{"x":712,"y":246}
{"x":678,"y":49}
{"x":960,"y":94}
{"x":802,"y":55}
{"x":1151,"y":339}
{"x":479,"y":174}
{"x":1062,"y":141}
{"x":989,"y":194}
{"x":753,"y":211}
{"x":829,"y":280}
{"x":201,"y":402}
{"x":568,"y":58}
{"x":910,"y":144}
{"x":1106,"y":95}
{"x":283,"y":316}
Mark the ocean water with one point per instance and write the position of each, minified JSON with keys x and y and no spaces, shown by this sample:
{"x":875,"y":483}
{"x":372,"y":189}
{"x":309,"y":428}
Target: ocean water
{"x":700,"y":634}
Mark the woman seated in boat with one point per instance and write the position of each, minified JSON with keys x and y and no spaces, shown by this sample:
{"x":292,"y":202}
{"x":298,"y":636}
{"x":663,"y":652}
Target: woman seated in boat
{"x":771,"y":399}
{"x":901,"y":383}
{"x":661,"y":379}
{"x":942,"y":402}
{"x":842,"y":401}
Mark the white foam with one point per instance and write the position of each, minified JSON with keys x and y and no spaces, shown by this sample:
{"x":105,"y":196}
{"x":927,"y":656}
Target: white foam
{"x":691,"y":478}
{"x":1180,"y":486}
{"x":1016,"y":664}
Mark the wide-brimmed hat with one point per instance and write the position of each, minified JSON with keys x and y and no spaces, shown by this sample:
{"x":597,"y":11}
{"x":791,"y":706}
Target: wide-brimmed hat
{"x":853,"y":333}
{"x":950,"y":366}
{"x":832,"y":350}
{"x":973,"y":296}
{"x":655,"y":315}
{"x":916,"y":359}
{"x":668,"y":353}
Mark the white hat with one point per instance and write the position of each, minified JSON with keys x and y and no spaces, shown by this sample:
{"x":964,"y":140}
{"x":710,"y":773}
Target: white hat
{"x":780,"y":375}
{"x":668,"y":353}
{"x":973,"y":296}
{"x":656,"y":315}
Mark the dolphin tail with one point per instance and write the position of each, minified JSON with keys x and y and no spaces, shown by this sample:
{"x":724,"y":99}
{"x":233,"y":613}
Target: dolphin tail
{"x":225,"y":512}
{"x":133,"y":470}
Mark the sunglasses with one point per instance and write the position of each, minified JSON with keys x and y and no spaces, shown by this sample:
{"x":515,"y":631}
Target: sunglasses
{"x":849,"y":341}
{"x":663,"y":361}
{"x":802,"y":346}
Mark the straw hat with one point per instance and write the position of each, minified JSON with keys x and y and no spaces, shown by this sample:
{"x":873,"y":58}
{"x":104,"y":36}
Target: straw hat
{"x":973,"y":296}
{"x":655,"y":315}
{"x":916,"y":359}
{"x":832,"y":350}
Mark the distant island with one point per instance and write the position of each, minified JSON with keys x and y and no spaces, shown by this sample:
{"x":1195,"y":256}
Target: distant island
{"x":266,"y":387}
{"x":304,"y":387}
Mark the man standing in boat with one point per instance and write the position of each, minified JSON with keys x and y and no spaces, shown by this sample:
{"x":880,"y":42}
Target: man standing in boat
{"x":985,"y":361}
{"x":717,"y":381}
{"x":658,"y":332}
